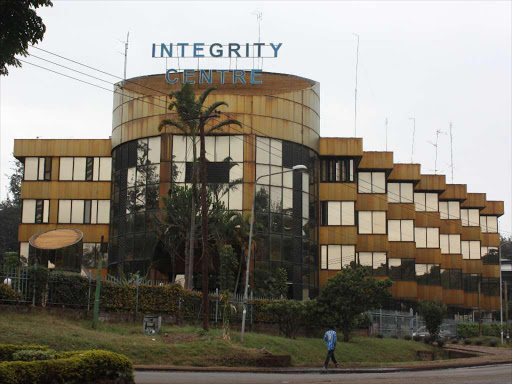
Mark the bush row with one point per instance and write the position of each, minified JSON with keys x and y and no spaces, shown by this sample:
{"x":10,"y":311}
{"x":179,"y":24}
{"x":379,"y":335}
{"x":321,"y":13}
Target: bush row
{"x":467,"y":330}
{"x":7,"y":351}
{"x":77,"y":367}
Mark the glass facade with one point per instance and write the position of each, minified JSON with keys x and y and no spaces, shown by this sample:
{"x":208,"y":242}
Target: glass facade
{"x":286,"y":229}
{"x":135,"y":191}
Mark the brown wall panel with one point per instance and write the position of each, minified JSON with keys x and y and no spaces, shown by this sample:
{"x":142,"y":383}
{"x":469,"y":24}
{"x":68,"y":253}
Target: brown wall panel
{"x":377,"y":160}
{"x":427,"y":219}
{"x":474,"y":200}
{"x":401,"y":211}
{"x":454,"y":192}
{"x":338,"y":235}
{"x":428,"y":256}
{"x":491,"y":271}
{"x":92,"y":233}
{"x":470,"y":233}
{"x":405,"y":172}
{"x":165,"y":171}
{"x":404,"y":289}
{"x":65,"y":190}
{"x":490,"y":303}
{"x":54,"y":211}
{"x":372,"y":243}
{"x":402,"y":250}
{"x":430,"y":292}
{"x":55,"y":168}
{"x":431,"y":183}
{"x":371,"y":202}
{"x":451,"y":261}
{"x":163,"y":191}
{"x":471,"y":299}
{"x":496,"y":208}
{"x":453,"y":296}
{"x":165,"y":147}
{"x":472,"y":266}
{"x":338,"y":191}
{"x":490,"y":239}
{"x":340,"y":146}
{"x":64,"y":147}
{"x":450,"y":227}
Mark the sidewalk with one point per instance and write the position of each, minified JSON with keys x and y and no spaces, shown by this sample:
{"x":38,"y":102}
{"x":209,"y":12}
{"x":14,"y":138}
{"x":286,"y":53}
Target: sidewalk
{"x":488,"y":356}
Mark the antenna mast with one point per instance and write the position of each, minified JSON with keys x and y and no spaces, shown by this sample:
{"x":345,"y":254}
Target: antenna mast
{"x":386,"y":134}
{"x":126,"y":53}
{"x":355,"y":93}
{"x":259,"y":17}
{"x":413,"y":133}
{"x":436,"y":145}
{"x":451,"y":150}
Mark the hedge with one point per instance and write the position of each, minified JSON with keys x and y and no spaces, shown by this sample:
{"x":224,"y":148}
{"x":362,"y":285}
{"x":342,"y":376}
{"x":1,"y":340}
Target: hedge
{"x":85,"y":367}
{"x":467,"y":330}
{"x":7,"y":293}
{"x":8,"y":350}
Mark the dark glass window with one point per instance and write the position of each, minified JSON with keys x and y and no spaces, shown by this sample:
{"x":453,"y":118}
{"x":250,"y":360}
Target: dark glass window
{"x":471,"y":282}
{"x":39,"y":211}
{"x":87,"y":211}
{"x":337,"y":169}
{"x":216,"y":172}
{"x":89,"y":168}
{"x":47,"y":168}
{"x":408,"y":269}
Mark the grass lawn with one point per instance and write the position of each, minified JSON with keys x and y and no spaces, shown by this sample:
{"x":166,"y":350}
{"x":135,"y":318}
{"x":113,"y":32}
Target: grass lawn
{"x":191,"y":346}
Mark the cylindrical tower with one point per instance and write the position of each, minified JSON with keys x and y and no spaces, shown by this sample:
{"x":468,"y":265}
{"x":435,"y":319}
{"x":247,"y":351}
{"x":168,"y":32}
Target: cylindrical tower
{"x":280,"y":129}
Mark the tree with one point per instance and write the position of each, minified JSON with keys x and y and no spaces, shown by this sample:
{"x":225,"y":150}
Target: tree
{"x":10,"y":211}
{"x":19,"y":26}
{"x":433,"y":312}
{"x":347,"y":295}
{"x":227,"y":268}
{"x":273,"y":284}
{"x":290,"y":315}
{"x":191,"y":118}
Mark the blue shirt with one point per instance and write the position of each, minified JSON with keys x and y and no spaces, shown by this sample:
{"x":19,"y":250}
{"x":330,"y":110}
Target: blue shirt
{"x":330,"y":340}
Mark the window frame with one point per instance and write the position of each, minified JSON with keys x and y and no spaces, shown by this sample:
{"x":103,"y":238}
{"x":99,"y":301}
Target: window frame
{"x":372,"y":223}
{"x":325,"y":261}
{"x":372,"y":185}
{"x":400,"y":231}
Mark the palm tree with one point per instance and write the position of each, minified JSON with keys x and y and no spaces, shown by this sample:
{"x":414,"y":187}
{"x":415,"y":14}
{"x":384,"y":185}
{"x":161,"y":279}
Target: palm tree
{"x":192,"y":117}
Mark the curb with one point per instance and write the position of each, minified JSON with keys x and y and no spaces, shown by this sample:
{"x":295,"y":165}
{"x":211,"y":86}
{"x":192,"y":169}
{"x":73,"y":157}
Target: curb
{"x":144,"y":368}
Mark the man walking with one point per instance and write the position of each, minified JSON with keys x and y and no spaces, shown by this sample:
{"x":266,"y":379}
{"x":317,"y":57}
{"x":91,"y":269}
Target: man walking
{"x":330,"y":340}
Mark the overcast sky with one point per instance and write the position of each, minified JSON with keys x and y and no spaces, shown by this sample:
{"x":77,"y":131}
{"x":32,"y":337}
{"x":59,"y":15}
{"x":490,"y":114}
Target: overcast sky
{"x":438,"y":62}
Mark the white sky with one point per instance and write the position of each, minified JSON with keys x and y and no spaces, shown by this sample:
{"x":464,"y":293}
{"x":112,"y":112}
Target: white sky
{"x":435,"y":61}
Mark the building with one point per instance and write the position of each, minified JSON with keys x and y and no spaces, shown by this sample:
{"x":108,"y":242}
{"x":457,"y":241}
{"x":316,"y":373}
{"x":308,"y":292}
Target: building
{"x":435,"y":240}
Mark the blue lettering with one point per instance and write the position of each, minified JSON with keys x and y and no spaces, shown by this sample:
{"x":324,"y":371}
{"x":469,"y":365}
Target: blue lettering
{"x":222,"y":73}
{"x":198,"y":47}
{"x":255,"y":73}
{"x":218,"y":52}
{"x":182,"y":45}
{"x":276,"y":48}
{"x":239,"y":75}
{"x":153,"y":50}
{"x":187,"y":73}
{"x":168,"y":78}
{"x":163,"y":48}
{"x":259,"y":45}
{"x":207,"y":75}
{"x":234,"y":47}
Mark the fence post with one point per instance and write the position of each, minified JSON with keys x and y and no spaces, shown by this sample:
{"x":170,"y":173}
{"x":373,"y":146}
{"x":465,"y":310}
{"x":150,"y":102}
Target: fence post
{"x":137,"y":294}
{"x":396,"y":323}
{"x":89,"y":293}
{"x":252,"y":304}
{"x":380,"y":322}
{"x":34,"y":289}
{"x":216,"y":304}
{"x":417,"y":323}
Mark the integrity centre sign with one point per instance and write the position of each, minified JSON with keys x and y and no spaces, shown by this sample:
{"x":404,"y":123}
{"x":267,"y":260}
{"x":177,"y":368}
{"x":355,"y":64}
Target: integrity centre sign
{"x":215,"y":50}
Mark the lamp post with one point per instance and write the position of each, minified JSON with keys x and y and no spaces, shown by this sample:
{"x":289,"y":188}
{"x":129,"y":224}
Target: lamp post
{"x":244,"y":311}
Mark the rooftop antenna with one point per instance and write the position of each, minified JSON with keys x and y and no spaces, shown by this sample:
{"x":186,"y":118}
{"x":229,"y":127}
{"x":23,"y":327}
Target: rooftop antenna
{"x":386,"y":134}
{"x":413,"y":133}
{"x":438,"y":132}
{"x":355,"y":93}
{"x":125,"y":54}
{"x":451,"y":150}
{"x":259,"y":17}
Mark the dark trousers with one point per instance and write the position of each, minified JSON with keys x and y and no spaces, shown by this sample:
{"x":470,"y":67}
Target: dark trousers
{"x":330,"y":355}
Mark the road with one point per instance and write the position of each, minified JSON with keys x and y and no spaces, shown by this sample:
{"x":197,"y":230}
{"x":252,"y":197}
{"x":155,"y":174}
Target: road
{"x":498,"y":374}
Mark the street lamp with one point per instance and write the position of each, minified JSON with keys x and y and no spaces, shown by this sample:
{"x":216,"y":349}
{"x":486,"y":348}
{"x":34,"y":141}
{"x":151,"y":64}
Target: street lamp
{"x":244,"y":312}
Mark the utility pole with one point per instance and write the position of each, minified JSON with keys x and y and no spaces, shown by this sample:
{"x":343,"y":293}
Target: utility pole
{"x":506,"y":312}
{"x":204,"y":217}
{"x":436,"y":146}
{"x":355,"y":93}
{"x":126,"y":53}
{"x":479,"y":312}
{"x":386,"y":134}
{"x":451,"y":150}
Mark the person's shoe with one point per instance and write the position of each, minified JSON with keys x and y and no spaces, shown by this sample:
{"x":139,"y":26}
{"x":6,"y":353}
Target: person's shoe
{"x":325,"y":366}
{"x":337,"y":365}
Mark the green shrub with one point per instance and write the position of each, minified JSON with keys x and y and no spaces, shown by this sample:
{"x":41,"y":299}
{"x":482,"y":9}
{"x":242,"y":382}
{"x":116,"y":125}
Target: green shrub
{"x":493,"y":343}
{"x":427,"y":339}
{"x":33,"y":355}
{"x":7,"y":293}
{"x":441,"y":342}
{"x":8,"y":350}
{"x":87,"y":367}
{"x":466,"y":330}
{"x":433,"y":312}
{"x":455,"y":341}
{"x":364,"y":321}
{"x":379,"y":335}
{"x":288,"y":314}
{"x":417,"y":338}
{"x":467,"y":342}
{"x":478,"y":342}
{"x":407,"y":337}
{"x":394,"y":337}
